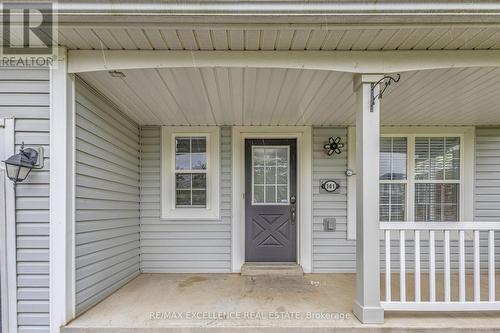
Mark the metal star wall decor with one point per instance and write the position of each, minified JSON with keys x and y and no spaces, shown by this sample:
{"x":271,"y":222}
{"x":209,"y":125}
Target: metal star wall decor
{"x":333,"y":146}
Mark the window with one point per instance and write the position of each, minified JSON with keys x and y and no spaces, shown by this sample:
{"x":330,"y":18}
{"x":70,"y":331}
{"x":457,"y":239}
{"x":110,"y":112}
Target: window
{"x":393,"y":178}
{"x":270,"y":175}
{"x":433,"y":180}
{"x":190,"y":173}
{"x":437,"y":178}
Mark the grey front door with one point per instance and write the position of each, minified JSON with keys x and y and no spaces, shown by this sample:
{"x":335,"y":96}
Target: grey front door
{"x":270,"y":200}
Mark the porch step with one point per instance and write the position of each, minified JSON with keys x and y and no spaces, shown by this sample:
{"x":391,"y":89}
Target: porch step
{"x":275,"y":268}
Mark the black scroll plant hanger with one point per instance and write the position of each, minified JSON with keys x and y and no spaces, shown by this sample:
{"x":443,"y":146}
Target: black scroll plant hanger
{"x":384,"y":82}
{"x":333,"y":146}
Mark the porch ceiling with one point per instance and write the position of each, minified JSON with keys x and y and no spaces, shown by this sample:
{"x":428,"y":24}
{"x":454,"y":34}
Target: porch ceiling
{"x":257,"y":96}
{"x":279,"y":37}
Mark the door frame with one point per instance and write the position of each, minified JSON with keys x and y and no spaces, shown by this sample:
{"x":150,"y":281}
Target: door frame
{"x":303,"y":135}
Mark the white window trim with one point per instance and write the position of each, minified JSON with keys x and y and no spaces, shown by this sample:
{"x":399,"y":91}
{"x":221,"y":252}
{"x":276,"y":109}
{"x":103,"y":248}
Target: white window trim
{"x":168,"y":209}
{"x":467,"y":163}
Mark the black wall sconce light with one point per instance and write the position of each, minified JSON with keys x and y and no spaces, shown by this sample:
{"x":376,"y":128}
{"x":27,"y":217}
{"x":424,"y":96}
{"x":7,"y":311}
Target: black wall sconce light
{"x":18,"y":166}
{"x":333,"y":146}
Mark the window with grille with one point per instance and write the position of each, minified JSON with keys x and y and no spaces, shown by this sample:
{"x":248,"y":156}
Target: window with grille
{"x":420,"y":178}
{"x":190,"y":173}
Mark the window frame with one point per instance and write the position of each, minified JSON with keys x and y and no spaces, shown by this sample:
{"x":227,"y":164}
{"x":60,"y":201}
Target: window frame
{"x":169,"y":211}
{"x":466,"y":173}
{"x":467,"y":190}
{"x":406,"y":181}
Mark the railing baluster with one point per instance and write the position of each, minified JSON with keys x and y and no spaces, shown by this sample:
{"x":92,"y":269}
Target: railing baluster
{"x":461,"y":266}
{"x":477,"y":272}
{"x":402,"y":266}
{"x":417,"y":266}
{"x":388,"y":294}
{"x":432,"y":267}
{"x":466,"y":301}
{"x":447,"y":276}
{"x":491,"y":266}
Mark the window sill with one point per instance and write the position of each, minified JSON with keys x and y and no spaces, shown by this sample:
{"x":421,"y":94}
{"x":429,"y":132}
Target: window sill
{"x":191,"y":214}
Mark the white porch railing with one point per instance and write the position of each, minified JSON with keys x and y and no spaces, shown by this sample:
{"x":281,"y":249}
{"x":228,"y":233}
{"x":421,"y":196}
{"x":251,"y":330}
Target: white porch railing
{"x":421,"y":239}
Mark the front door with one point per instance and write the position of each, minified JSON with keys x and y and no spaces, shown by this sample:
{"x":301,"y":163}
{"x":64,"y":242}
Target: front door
{"x":270,"y":200}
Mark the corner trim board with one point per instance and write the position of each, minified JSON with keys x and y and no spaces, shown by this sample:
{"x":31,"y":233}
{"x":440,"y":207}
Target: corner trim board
{"x":62,"y":192}
{"x":8,"y":234}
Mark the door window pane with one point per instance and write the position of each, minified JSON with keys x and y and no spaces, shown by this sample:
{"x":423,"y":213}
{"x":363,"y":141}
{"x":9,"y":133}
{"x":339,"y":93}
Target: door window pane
{"x":270,"y":175}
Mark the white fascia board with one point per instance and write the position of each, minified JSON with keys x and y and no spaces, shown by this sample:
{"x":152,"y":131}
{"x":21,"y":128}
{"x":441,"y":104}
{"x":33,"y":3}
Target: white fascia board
{"x":366,"y":62}
{"x":280,"y":8}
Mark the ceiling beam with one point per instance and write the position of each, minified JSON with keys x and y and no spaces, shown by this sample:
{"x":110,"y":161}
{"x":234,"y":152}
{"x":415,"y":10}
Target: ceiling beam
{"x":80,"y":61}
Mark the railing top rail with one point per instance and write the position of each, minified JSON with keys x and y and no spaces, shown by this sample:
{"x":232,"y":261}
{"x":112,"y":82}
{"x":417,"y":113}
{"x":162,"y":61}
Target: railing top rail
{"x":440,"y":225}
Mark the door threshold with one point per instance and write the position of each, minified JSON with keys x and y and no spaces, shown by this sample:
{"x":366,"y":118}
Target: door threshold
{"x":271,"y":268}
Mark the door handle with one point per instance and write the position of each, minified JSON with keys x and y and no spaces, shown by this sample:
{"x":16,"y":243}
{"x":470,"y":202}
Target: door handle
{"x":292,"y":214}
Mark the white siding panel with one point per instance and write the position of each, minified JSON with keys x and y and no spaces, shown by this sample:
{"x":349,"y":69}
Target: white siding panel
{"x":487,"y":186}
{"x":24,"y":95}
{"x":182,"y":246}
{"x":332,"y":252}
{"x":107,"y":198}
{"x":487,"y":196}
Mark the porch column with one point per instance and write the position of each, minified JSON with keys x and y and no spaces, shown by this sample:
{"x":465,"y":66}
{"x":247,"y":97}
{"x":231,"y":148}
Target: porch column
{"x":61,"y":205}
{"x":367,"y":303}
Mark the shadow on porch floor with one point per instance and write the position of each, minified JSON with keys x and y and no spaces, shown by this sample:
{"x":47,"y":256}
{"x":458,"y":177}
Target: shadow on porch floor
{"x":312,"y":303}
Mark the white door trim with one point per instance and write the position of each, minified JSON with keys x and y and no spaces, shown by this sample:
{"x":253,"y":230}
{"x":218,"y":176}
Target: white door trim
{"x":8,"y":265}
{"x":303,"y":134}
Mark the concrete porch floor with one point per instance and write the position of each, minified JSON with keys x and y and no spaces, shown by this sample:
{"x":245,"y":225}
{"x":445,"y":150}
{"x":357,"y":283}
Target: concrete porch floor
{"x":255,"y":304}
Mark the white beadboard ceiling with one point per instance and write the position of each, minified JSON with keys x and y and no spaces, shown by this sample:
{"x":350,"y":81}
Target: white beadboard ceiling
{"x":258,"y":96}
{"x":399,"y":37}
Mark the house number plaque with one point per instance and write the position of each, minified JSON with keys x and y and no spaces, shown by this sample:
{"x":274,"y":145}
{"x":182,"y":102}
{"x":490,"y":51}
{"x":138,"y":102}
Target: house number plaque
{"x":329,"y":186}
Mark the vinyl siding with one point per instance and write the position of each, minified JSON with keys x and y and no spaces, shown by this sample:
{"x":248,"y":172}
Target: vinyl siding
{"x":487,"y":186}
{"x":331,"y":251}
{"x":487,"y":195}
{"x":186,"y":245}
{"x":107,"y":198}
{"x":24,"y":95}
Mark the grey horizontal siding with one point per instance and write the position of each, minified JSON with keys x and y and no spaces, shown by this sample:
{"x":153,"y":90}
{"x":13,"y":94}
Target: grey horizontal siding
{"x":487,"y":190}
{"x":331,"y":251}
{"x":182,"y":246}
{"x":107,"y":199}
{"x":24,"y":95}
{"x":487,"y":184}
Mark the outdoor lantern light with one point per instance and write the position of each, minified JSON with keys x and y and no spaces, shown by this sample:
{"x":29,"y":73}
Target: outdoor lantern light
{"x":18,"y":166}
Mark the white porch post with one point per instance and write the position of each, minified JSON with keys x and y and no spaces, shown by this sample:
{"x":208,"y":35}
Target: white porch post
{"x":62,"y":279}
{"x":367,"y":304}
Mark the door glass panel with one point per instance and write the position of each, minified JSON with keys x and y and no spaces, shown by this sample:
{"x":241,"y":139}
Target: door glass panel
{"x":270,"y":175}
